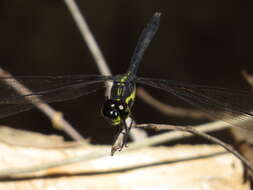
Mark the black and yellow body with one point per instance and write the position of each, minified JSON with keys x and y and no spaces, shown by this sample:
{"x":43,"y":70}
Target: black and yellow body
{"x":118,"y":105}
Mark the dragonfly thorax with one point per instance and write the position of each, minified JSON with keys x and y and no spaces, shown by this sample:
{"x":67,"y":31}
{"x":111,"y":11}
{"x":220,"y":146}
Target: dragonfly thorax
{"x":115,"y":111}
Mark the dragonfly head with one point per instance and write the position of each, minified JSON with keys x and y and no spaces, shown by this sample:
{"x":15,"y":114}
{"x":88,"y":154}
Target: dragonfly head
{"x":115,"y":111}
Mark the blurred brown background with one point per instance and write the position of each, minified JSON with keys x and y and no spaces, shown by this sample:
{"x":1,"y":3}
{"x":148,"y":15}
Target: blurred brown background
{"x":202,"y":42}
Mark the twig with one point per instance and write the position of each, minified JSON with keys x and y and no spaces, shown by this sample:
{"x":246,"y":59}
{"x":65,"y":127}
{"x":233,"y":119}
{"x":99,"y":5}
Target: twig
{"x":158,"y":139}
{"x":56,"y":117}
{"x":204,"y":135}
{"x":170,"y":110}
{"x":248,"y":77}
{"x":88,"y":37}
{"x":177,"y":135}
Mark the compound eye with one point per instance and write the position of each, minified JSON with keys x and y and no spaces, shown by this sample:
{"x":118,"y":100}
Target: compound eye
{"x":113,"y":114}
{"x":121,"y":107}
{"x":112,"y":105}
{"x":109,"y":109}
{"x":123,"y":110}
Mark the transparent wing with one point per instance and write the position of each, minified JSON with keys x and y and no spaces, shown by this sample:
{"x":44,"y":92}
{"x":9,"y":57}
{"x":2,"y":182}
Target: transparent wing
{"x":231,"y":106}
{"x":15,"y":98}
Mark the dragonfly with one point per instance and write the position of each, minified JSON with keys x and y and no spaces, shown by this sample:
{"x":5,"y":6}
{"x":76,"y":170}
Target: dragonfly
{"x":231,"y":106}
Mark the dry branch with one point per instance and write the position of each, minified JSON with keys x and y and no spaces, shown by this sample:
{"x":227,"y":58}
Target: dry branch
{"x":56,"y":117}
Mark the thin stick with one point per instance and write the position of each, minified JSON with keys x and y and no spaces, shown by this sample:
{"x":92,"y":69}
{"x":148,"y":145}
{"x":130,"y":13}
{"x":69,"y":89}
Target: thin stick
{"x":248,"y":77}
{"x":88,"y":37}
{"x":204,"y":135}
{"x":170,"y":110}
{"x":56,"y":117}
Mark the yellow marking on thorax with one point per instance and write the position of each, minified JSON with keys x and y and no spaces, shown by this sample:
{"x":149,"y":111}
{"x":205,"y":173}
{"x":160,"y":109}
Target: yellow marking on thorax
{"x":131,"y":96}
{"x":123,"y":79}
{"x":119,"y":91}
{"x":116,"y":121}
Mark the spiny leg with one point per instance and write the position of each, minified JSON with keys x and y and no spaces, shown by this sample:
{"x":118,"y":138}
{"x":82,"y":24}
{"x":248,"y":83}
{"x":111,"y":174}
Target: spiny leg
{"x":121,"y":136}
{"x":127,"y":130}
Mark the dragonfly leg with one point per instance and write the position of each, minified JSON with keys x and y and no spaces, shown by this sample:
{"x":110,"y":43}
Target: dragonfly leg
{"x":121,"y":137}
{"x":127,"y":130}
